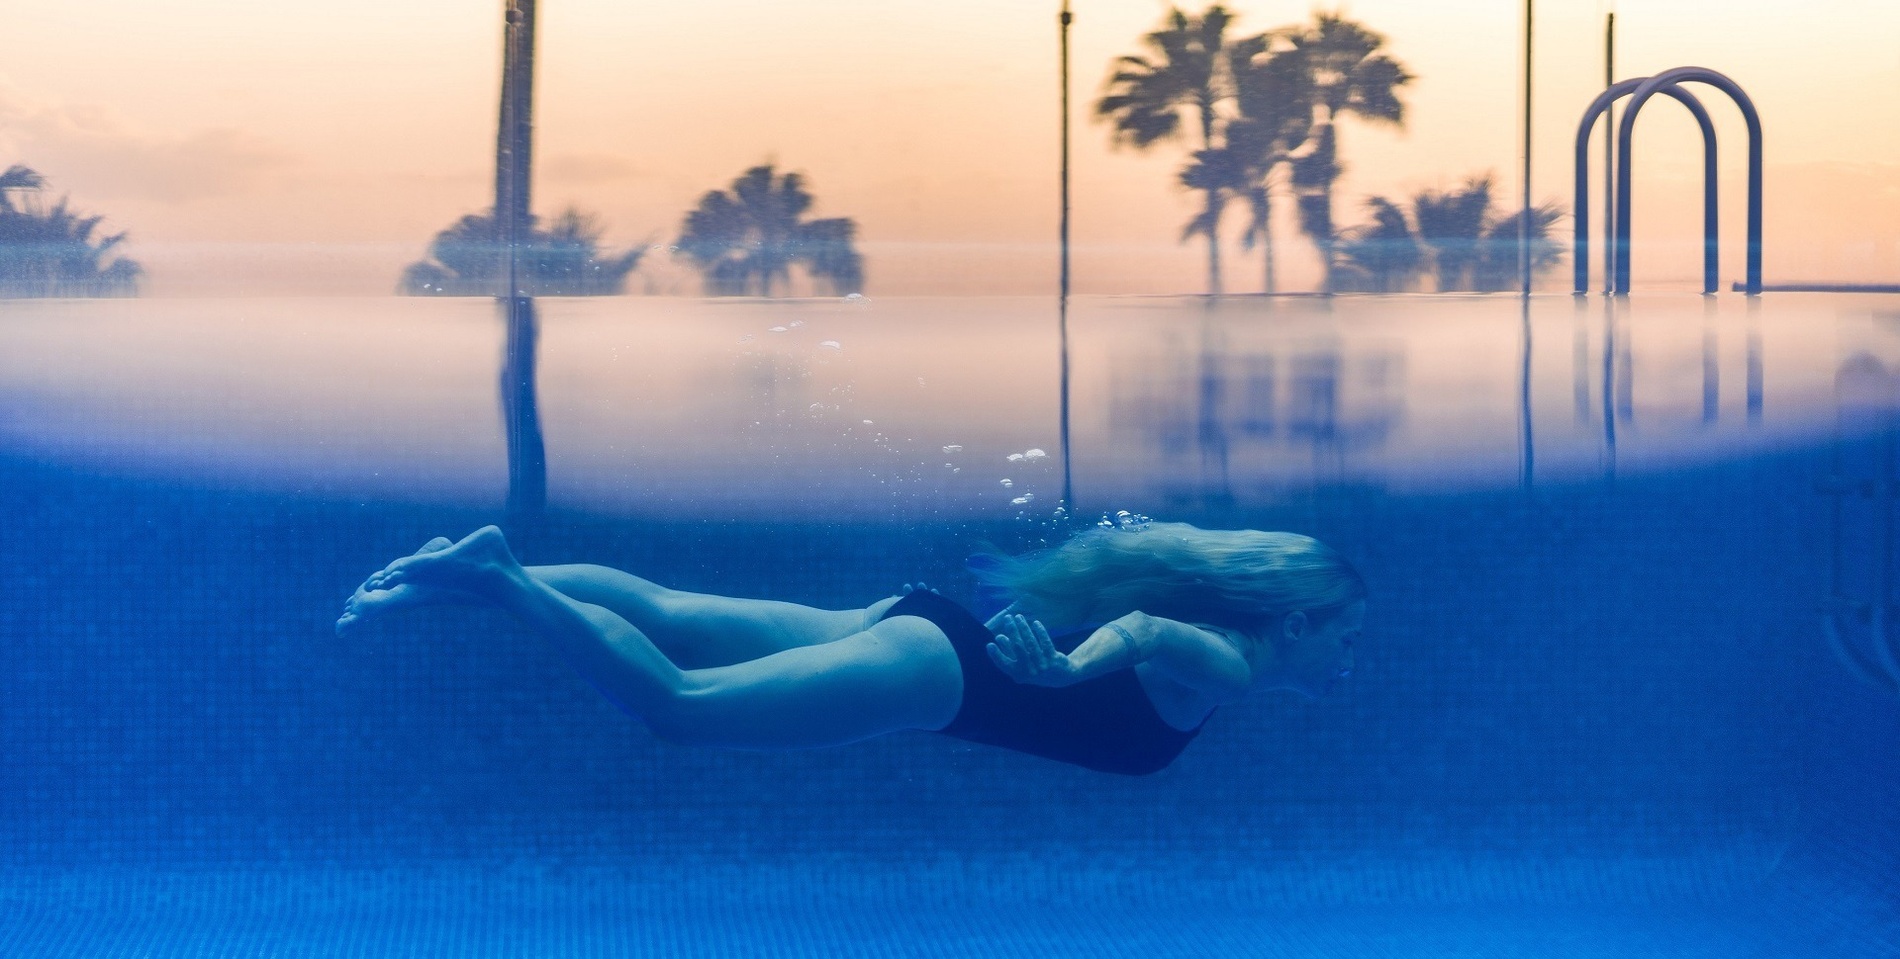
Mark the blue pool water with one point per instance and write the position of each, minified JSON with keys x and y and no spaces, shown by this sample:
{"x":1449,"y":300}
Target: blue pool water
{"x":1595,"y":711}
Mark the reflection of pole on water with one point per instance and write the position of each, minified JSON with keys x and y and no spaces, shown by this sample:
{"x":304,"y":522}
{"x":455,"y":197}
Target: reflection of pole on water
{"x":527,"y":454}
{"x":1527,"y":449}
{"x":1580,"y":360}
{"x":1711,"y":369}
{"x":1753,"y":386}
{"x":514,"y":142}
{"x":1609,"y":385}
{"x":1210,"y":426}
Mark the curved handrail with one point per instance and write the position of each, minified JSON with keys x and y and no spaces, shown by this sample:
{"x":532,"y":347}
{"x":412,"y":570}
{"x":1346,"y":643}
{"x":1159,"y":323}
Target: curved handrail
{"x":1626,"y":134}
{"x":1580,"y":248}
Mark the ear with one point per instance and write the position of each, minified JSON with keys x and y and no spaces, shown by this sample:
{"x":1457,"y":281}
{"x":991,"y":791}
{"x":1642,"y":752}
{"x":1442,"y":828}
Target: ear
{"x":1294,"y":624}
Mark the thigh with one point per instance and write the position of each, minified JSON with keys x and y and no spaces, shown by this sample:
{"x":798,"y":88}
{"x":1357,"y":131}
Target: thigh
{"x":698,"y":630}
{"x":731,"y":630}
{"x":900,"y":674}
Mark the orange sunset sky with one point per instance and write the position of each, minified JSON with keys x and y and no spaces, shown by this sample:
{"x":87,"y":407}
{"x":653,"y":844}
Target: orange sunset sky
{"x":275,"y":148}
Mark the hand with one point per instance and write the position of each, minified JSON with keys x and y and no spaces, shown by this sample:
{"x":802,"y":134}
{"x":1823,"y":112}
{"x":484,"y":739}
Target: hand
{"x":918,"y":588}
{"x":1024,"y":652}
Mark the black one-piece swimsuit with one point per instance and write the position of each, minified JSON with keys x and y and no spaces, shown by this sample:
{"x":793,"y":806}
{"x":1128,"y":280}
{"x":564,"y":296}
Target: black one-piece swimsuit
{"x":1106,"y":723}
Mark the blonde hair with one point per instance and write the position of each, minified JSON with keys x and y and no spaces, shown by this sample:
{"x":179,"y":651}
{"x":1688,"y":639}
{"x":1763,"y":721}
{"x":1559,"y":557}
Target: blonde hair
{"x":1235,"y":578}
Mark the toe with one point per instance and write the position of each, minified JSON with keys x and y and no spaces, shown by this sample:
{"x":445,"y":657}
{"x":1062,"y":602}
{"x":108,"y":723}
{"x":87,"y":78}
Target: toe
{"x":436,"y":545}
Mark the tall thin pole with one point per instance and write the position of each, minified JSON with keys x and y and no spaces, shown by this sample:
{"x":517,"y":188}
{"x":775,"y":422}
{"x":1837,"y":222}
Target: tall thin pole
{"x":1062,"y":300}
{"x":514,"y":146}
{"x":1524,"y":219}
{"x":1609,"y":158}
{"x":1065,"y":19}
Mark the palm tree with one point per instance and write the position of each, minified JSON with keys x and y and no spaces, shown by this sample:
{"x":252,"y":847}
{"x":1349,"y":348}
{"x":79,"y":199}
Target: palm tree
{"x":1185,"y":72}
{"x":1497,"y":262}
{"x":563,"y":260}
{"x":1382,"y":257}
{"x":17,"y":178}
{"x":745,"y":240}
{"x":1349,"y":77}
{"x":1453,"y":224}
{"x":1274,"y":92}
{"x":52,"y":251}
{"x":1454,"y":235}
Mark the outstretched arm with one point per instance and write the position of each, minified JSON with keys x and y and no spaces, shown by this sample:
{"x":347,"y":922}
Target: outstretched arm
{"x":1193,"y":657}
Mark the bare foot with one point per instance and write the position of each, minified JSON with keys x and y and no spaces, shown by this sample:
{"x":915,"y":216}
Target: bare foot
{"x":476,"y":564}
{"x":378,"y":596}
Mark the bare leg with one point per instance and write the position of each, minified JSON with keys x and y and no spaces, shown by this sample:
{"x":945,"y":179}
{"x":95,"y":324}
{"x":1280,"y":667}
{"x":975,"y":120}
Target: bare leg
{"x":900,"y":674}
{"x":695,"y":630}
{"x":698,"y":630}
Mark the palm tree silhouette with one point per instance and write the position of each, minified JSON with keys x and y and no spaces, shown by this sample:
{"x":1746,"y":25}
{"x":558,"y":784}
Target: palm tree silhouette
{"x":1349,"y":76}
{"x":745,"y":240}
{"x":1274,"y":93}
{"x":1497,"y":258}
{"x":1452,"y":223}
{"x":1454,"y":235}
{"x":52,"y":251}
{"x":564,"y":259}
{"x":1146,"y":97}
{"x":1381,"y":257}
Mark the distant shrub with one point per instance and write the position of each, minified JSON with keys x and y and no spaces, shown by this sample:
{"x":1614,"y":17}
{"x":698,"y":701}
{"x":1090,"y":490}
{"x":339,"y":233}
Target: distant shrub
{"x":563,"y":260}
{"x":51,"y":250}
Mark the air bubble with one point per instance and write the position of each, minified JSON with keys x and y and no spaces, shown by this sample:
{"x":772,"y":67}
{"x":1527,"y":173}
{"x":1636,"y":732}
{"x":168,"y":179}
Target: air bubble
{"x":1034,"y":455}
{"x":1021,"y":500}
{"x":953,"y":448}
{"x":831,"y":345}
{"x":1008,"y":483}
{"x":1015,"y":457}
{"x":778,"y":329}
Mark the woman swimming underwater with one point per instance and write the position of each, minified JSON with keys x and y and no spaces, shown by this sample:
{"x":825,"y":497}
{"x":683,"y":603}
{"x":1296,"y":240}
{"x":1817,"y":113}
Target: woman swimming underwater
{"x":1167,"y":623}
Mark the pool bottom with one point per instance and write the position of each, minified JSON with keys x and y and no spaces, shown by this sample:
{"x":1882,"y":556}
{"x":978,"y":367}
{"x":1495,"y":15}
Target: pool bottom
{"x":1592,"y":722}
{"x":1429,"y":905}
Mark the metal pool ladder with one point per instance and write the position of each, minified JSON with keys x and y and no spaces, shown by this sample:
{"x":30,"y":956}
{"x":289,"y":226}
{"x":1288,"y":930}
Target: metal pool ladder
{"x":1616,"y":263}
{"x":1861,"y":632}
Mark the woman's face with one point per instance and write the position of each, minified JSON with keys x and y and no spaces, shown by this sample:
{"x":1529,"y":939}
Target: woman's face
{"x":1315,"y":656}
